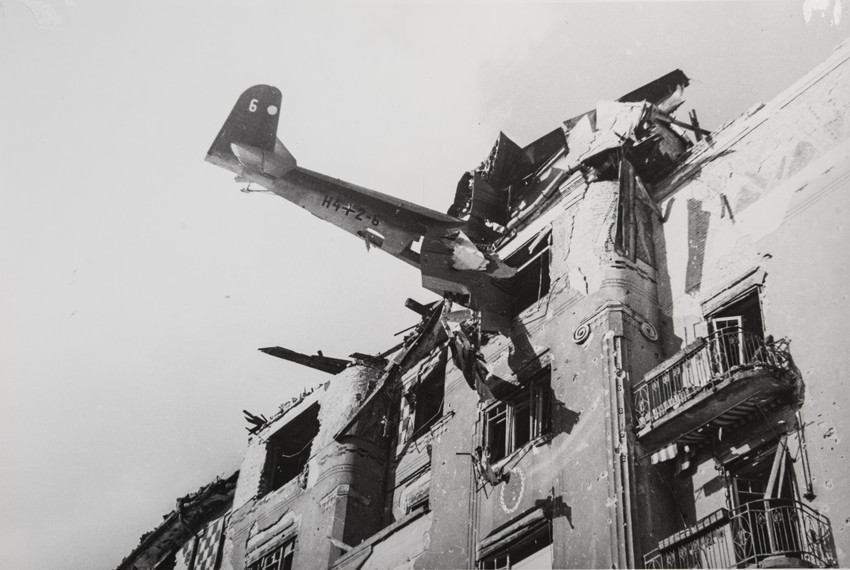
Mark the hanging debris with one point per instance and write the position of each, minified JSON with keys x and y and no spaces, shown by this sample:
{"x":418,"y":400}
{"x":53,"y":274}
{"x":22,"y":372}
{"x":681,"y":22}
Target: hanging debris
{"x":258,"y":422}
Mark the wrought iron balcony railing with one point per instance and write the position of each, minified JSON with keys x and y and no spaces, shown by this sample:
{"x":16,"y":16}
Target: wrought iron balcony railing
{"x":703,"y":364}
{"x":748,"y":535}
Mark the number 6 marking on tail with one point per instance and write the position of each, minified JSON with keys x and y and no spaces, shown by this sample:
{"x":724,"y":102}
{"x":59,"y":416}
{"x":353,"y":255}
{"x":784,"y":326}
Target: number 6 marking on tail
{"x":252,"y":106}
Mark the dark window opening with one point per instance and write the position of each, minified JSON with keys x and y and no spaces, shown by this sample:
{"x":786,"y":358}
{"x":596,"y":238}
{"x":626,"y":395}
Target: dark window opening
{"x":288,"y":450}
{"x":519,"y":418}
{"x":423,"y":400}
{"x":428,"y":406}
{"x":278,"y":559}
{"x":531,"y":282}
{"x":744,"y":314}
{"x":534,"y":550}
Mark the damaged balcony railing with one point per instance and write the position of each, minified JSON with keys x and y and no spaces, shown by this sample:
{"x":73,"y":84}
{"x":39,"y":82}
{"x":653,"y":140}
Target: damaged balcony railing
{"x":703,"y":364}
{"x":748,"y":535}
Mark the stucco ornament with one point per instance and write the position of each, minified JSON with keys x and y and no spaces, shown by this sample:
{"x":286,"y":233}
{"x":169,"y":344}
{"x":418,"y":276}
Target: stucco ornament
{"x":582,"y":333}
{"x":649,"y":331}
{"x":510,"y":495}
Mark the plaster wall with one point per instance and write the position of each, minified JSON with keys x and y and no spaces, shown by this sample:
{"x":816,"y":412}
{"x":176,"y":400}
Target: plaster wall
{"x":772,"y":195}
{"x":583,"y":473}
{"x":404,"y":548}
{"x":342,"y":498}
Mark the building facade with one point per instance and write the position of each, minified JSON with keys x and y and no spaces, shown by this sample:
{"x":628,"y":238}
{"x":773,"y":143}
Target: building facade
{"x":663,"y":389}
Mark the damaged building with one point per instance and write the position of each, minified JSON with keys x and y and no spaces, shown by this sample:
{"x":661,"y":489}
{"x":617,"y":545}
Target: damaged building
{"x":636,"y":361}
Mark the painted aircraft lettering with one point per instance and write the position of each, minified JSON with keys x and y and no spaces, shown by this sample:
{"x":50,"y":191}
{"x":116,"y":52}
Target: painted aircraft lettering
{"x":358,"y":212}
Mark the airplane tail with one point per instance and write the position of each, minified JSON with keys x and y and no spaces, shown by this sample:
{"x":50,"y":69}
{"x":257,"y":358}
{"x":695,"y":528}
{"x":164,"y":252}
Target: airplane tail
{"x":249,"y":135}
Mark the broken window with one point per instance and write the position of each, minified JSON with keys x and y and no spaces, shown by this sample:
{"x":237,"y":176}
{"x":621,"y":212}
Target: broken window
{"x":765,"y":497}
{"x":763,"y":475}
{"x":737,"y":332}
{"x":514,"y":421}
{"x":424,"y":397}
{"x":524,"y":544}
{"x":278,"y":559}
{"x":531,"y":282}
{"x":429,"y":399}
{"x":288,"y":450}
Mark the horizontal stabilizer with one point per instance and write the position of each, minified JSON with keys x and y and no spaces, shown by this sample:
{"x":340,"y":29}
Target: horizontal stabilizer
{"x":259,"y":160}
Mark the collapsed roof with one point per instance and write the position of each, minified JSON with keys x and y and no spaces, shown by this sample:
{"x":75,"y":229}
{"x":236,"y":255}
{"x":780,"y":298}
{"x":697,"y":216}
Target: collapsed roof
{"x":637,"y":126}
{"x":190,"y":514}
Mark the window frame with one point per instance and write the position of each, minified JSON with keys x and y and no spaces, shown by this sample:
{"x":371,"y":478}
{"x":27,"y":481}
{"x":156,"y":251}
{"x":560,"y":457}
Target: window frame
{"x":429,"y":390}
{"x":535,"y":397}
{"x":284,"y":464}
{"x":423,"y":404}
{"x":267,"y":561}
{"x":532,"y":261}
{"x":503,"y":556}
{"x":746,"y":307}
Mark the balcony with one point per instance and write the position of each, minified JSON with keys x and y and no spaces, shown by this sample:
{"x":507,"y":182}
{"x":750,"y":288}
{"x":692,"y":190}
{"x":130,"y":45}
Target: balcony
{"x":715,"y":381}
{"x":769,"y":533}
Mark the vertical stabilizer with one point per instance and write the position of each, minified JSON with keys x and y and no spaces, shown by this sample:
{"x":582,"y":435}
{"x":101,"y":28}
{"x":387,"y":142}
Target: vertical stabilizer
{"x":252,"y":123}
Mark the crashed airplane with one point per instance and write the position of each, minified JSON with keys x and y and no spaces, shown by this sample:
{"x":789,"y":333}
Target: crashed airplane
{"x":666,"y":394}
{"x":456,"y":252}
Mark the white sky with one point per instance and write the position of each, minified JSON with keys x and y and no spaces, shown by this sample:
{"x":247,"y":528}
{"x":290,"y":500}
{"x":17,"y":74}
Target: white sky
{"x":137,"y":282}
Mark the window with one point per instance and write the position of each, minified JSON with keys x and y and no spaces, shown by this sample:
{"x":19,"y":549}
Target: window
{"x":737,"y":332}
{"x":278,"y":559}
{"x":428,"y":403}
{"x":288,"y":450}
{"x":744,"y":313}
{"x":531,"y":282}
{"x":428,"y":397}
{"x":519,"y":418}
{"x":766,"y":517}
{"x":531,"y":549}
{"x":423,"y":400}
{"x":765,"y":474}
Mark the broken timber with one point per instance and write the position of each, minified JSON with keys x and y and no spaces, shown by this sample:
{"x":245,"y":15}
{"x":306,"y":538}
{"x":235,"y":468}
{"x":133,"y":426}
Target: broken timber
{"x":318,"y":361}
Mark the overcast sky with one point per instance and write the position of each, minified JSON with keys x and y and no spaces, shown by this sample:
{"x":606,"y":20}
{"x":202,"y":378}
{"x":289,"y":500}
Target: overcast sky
{"x":137,"y":282}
